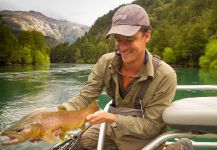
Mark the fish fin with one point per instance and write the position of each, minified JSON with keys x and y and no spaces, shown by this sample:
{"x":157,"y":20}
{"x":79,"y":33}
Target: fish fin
{"x":62,"y":136}
{"x":69,"y":135}
{"x":49,"y":137}
{"x":83,"y":127}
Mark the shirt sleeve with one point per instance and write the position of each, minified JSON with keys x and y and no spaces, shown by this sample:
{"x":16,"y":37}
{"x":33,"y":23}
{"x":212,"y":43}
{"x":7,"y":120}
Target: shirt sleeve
{"x":152,"y":124}
{"x":90,"y":91}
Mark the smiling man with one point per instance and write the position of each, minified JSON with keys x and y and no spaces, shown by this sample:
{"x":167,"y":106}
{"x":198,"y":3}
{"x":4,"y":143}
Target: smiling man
{"x":141,"y":86}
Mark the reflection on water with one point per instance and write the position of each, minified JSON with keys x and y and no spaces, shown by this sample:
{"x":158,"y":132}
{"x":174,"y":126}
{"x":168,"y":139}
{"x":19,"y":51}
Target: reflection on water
{"x":195,"y":76}
{"x":208,"y":77}
{"x":23,"y":89}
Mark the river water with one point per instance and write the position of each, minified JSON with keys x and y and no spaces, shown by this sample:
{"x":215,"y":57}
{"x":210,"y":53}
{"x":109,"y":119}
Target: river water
{"x":23,"y":89}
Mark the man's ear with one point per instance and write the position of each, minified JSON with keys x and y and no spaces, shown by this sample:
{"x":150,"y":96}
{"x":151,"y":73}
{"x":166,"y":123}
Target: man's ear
{"x":147,"y":36}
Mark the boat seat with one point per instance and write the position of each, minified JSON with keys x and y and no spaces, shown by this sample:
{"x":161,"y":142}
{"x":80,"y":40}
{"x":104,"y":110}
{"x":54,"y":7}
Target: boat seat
{"x":197,"y":114}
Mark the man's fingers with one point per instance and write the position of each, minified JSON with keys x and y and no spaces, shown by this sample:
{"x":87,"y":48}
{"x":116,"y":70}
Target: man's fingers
{"x":96,"y":120}
{"x":100,"y":117}
{"x":95,"y":115}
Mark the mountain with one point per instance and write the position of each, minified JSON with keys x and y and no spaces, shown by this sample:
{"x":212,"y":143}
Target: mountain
{"x":61,"y":30}
{"x":182,"y":33}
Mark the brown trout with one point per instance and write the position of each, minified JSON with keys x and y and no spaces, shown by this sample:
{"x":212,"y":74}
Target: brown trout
{"x":41,"y":123}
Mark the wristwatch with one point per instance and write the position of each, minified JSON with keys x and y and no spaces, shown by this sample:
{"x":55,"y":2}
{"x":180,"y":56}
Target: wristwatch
{"x":114,"y":124}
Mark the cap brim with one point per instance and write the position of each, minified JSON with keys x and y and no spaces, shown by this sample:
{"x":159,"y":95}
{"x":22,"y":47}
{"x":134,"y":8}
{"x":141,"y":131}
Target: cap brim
{"x":125,"y":30}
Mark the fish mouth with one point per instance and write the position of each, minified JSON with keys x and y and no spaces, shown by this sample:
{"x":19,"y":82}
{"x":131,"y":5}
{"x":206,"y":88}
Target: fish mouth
{"x":5,"y":140}
{"x":10,"y":139}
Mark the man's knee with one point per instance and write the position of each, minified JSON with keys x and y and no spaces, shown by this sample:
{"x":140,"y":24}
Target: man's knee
{"x":89,"y":138}
{"x":88,"y":143}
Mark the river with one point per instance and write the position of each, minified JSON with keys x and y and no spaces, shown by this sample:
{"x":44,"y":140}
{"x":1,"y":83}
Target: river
{"x":23,"y":89}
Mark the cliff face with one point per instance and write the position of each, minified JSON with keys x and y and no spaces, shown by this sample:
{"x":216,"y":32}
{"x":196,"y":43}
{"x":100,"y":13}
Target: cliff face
{"x":61,"y":30}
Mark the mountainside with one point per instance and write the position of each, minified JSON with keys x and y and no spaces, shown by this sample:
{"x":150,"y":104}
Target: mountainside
{"x":61,"y":30}
{"x":183,"y":34}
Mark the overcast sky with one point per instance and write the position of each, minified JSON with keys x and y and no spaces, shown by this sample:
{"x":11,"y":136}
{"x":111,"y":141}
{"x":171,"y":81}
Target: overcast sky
{"x":79,"y":11}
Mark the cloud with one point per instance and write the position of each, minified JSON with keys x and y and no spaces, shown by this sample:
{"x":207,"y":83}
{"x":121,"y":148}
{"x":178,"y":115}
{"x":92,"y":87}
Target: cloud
{"x":80,"y":11}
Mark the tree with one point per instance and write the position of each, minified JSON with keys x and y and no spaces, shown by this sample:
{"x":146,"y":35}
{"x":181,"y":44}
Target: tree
{"x":26,"y":55}
{"x":169,"y":56}
{"x":210,"y":57}
{"x":59,"y":52}
{"x":102,"y":48}
{"x":34,"y":48}
{"x":181,"y":29}
{"x":213,"y":19}
{"x":194,"y":44}
{"x":39,"y":58}
{"x":78,"y":58}
{"x":8,"y":44}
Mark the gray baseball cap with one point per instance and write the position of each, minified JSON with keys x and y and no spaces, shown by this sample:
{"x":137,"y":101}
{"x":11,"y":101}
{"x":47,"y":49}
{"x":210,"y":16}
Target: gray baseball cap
{"x":128,"y":19}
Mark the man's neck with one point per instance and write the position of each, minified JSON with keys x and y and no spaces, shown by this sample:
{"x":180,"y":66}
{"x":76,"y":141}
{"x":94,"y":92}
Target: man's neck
{"x":135,"y":67}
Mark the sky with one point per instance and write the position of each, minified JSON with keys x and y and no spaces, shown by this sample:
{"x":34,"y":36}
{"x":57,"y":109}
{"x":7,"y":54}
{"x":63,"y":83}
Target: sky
{"x":80,"y":11}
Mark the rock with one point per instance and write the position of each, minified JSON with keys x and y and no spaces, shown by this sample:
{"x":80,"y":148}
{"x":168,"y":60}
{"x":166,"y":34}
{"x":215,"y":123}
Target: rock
{"x":61,"y":30}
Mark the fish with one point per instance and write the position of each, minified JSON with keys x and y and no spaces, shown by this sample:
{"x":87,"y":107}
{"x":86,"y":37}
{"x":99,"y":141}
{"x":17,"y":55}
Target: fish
{"x":41,"y":123}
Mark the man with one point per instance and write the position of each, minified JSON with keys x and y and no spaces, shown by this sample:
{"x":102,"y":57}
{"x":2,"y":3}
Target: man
{"x":133,"y":121}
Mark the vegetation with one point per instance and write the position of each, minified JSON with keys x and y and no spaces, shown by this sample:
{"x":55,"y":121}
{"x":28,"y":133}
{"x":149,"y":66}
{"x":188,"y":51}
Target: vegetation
{"x":184,"y":34}
{"x":29,"y":47}
{"x":181,"y":31}
{"x":210,"y":57}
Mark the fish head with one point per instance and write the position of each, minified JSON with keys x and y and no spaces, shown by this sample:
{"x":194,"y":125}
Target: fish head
{"x":19,"y":133}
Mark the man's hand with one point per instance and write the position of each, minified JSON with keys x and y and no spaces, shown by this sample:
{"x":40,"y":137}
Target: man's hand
{"x":100,"y":117}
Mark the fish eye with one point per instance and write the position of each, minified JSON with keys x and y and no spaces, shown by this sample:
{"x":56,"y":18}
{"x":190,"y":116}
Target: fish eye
{"x":19,"y":130}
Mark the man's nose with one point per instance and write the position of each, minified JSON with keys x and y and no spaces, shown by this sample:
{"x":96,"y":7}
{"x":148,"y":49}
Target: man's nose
{"x":122,"y":46}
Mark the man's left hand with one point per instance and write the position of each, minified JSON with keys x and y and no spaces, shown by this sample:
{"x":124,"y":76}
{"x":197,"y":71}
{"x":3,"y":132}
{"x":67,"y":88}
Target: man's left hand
{"x":100,"y":117}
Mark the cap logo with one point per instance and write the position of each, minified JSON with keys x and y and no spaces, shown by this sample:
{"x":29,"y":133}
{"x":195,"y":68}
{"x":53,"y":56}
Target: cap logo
{"x":124,"y":17}
{"x":121,"y":17}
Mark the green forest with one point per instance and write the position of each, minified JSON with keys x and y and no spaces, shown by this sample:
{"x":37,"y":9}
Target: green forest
{"x":184,"y":34}
{"x":28,"y":47}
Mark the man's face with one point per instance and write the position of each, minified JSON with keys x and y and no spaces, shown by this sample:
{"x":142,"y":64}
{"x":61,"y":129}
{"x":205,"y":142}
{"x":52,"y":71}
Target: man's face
{"x":132,"y":48}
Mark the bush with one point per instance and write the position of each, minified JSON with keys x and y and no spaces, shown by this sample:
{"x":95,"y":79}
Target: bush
{"x":210,"y":57}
